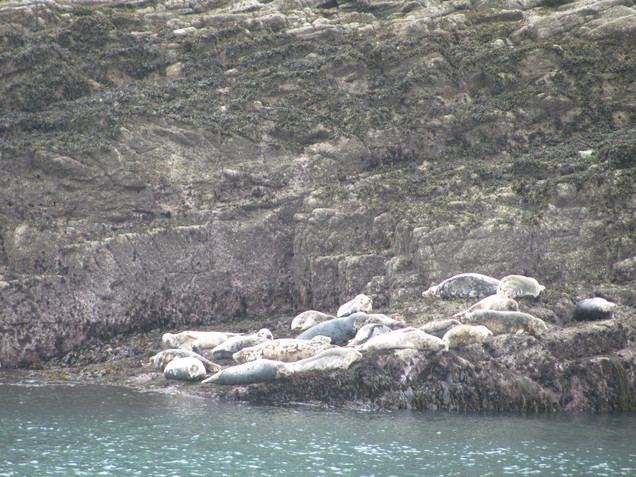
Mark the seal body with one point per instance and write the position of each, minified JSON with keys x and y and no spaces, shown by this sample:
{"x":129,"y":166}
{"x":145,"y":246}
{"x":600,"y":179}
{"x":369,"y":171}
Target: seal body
{"x":162,"y":359}
{"x":367,"y":332}
{"x":287,"y":349}
{"x":340,"y":330}
{"x":236,"y":343}
{"x":359,"y":303}
{"x":334,"y":358}
{"x":464,"y":335}
{"x":363,"y":318}
{"x":519,"y":286}
{"x":439,"y":327}
{"x":402,"y":339}
{"x":259,"y":371}
{"x":492,"y":302}
{"x":307,"y":319}
{"x":500,"y":322}
{"x":195,"y":339}
{"x":593,"y":309}
{"x":464,"y":285}
{"x":185,"y":369}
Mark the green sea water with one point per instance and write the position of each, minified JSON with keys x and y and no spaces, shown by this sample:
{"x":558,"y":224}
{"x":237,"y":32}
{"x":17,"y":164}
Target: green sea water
{"x":69,"y":430}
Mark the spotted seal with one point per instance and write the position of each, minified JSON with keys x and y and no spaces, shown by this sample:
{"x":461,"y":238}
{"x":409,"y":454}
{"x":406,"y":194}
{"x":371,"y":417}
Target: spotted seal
{"x":367,"y":332}
{"x":364,"y":318}
{"x":501,"y":322}
{"x":226,"y":349}
{"x":492,"y":302}
{"x":259,"y":371}
{"x":519,"y":286}
{"x":403,"y":338}
{"x":185,"y":369}
{"x":464,"y":285}
{"x":162,"y":359}
{"x":307,"y":319}
{"x":596,"y":308}
{"x":330,"y":359}
{"x":439,"y":327}
{"x":195,"y":339}
{"x":359,"y":303}
{"x":340,"y":330}
{"x":464,"y":335}
{"x":285,"y":349}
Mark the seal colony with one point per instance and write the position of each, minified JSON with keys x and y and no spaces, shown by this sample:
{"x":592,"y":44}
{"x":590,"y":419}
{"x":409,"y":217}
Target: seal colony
{"x":327,"y":341}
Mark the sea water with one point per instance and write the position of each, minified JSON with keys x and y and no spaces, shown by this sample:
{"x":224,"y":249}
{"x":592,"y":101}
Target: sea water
{"x":70,"y":430}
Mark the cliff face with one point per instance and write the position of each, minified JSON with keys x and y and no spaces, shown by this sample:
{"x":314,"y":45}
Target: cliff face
{"x":195,"y":162}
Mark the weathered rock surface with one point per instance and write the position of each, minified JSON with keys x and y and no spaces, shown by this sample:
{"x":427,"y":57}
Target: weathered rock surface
{"x":169,"y":162}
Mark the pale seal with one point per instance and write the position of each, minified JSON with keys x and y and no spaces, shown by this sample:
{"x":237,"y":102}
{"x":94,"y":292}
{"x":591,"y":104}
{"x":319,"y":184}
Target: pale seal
{"x":236,"y":343}
{"x":464,"y":285}
{"x":259,"y":371}
{"x":185,"y":369}
{"x":401,"y":339}
{"x":500,"y":322}
{"x":367,"y":332}
{"x":464,"y":335}
{"x":162,"y":359}
{"x":195,"y":339}
{"x":594,"y":309}
{"x":340,"y":330}
{"x":492,"y":302}
{"x":439,"y":327}
{"x":359,"y":303}
{"x":286,"y":349}
{"x":363,"y":318}
{"x":519,"y":286}
{"x":330,"y":359}
{"x":307,"y":319}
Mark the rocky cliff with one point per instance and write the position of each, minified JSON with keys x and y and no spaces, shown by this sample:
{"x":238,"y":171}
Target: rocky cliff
{"x":183,"y":162}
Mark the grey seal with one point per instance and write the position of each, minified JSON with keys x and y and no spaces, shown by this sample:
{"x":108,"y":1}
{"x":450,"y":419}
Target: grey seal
{"x":195,"y":339}
{"x":519,"y":286}
{"x":259,"y":371}
{"x":367,"y":332}
{"x":439,"y":327}
{"x":226,"y":349}
{"x":594,"y":309}
{"x":463,"y":335}
{"x":185,"y":369}
{"x":359,"y":303}
{"x":364,"y":318}
{"x":401,"y":339}
{"x":464,"y":285}
{"x":330,"y":359}
{"x":307,"y":319}
{"x":500,"y":322}
{"x":162,"y":359}
{"x":492,"y":302}
{"x":340,"y":330}
{"x":286,"y":349}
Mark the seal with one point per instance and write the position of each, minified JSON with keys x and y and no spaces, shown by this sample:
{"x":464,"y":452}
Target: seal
{"x":367,"y":332}
{"x":162,"y":359}
{"x":185,"y":369}
{"x":307,"y":319}
{"x":464,"y":335}
{"x":286,"y":349}
{"x":259,"y":371}
{"x":202,"y":339}
{"x":340,"y":330}
{"x":439,"y":327}
{"x":401,"y":339}
{"x":359,"y":303}
{"x":363,"y":318}
{"x":501,"y":322}
{"x":596,"y":308}
{"x":464,"y":285}
{"x":226,"y":349}
{"x":492,"y":302}
{"x":519,"y":286}
{"x":330,"y":359}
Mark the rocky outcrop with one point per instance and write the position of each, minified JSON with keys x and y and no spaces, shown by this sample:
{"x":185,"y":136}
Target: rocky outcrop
{"x":168,"y":163}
